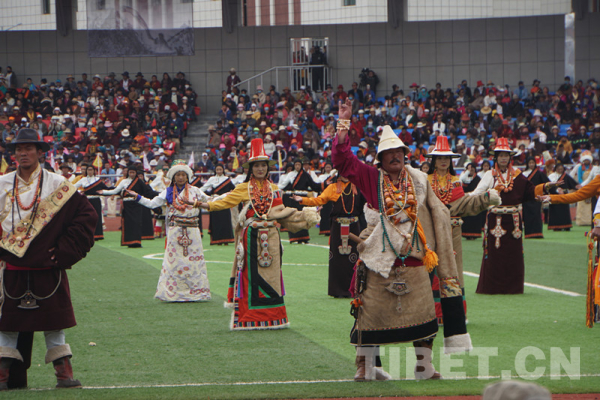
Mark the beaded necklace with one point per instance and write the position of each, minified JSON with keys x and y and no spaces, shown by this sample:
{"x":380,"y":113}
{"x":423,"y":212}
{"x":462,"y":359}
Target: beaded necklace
{"x":503,"y":186}
{"x":261,"y":197}
{"x":35,"y":197}
{"x":177,"y":204}
{"x":444,"y":193}
{"x":389,"y":209}
{"x":347,"y":194}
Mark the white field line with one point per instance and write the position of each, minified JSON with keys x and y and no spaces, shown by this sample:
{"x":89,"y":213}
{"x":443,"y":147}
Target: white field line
{"x":471,"y":274}
{"x":207,"y":384}
{"x":535,"y":285}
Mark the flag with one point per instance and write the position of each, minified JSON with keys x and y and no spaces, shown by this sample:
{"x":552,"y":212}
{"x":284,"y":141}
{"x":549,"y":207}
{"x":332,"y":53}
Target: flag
{"x":146,"y":163}
{"x":52,"y":163}
{"x":279,"y":160}
{"x":236,"y":163}
{"x":191,"y":162}
{"x":98,"y":162}
{"x":3,"y":166}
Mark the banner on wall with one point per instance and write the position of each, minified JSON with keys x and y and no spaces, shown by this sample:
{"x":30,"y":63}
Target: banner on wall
{"x":138,"y":28}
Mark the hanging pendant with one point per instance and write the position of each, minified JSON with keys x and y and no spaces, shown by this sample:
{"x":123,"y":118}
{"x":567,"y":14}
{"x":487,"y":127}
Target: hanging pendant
{"x":28,"y":302}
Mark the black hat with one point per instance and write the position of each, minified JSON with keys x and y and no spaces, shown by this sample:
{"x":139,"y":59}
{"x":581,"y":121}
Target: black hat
{"x":28,"y":135}
{"x":125,"y":74}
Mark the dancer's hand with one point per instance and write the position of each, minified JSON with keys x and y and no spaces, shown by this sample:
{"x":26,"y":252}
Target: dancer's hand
{"x":543,"y":199}
{"x":596,"y":234}
{"x":297,"y":198}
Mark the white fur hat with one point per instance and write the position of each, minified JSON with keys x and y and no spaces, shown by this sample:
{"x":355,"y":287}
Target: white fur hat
{"x":389,"y":140}
{"x":180,"y":166}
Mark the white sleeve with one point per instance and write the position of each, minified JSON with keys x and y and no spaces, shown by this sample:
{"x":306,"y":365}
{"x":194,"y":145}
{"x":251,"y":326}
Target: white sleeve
{"x":575,"y":173}
{"x":487,"y":182}
{"x":78,"y":184}
{"x":283,"y":181}
{"x":208,"y":185}
{"x":199,"y":194}
{"x":156,"y":182}
{"x":463,"y":176}
{"x":118,"y":189}
{"x":597,"y":209}
{"x":158,"y":201}
{"x":593,"y":173}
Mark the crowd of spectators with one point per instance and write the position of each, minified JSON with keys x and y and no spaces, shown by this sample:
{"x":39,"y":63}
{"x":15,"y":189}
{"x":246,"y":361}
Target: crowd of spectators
{"x":536,"y":121}
{"x":124,"y":121}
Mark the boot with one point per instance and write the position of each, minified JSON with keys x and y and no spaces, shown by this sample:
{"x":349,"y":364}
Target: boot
{"x":5,"y":364}
{"x":360,"y":369}
{"x":360,"y":376}
{"x":64,"y":373}
{"x":424,"y":368}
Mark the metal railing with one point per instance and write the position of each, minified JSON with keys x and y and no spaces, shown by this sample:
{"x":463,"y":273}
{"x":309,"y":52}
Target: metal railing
{"x":297,"y":76}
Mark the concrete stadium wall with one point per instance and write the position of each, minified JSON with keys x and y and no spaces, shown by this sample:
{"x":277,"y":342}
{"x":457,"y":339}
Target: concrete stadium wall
{"x":504,"y":50}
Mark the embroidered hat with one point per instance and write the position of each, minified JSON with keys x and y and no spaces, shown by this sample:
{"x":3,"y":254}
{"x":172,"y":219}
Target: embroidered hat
{"x":502,"y":145}
{"x":180,"y":166}
{"x":257,"y":153}
{"x":28,"y":136}
{"x":442,"y":148}
{"x":389,"y":140}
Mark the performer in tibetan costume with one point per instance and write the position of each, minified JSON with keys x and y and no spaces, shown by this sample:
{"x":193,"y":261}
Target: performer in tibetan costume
{"x":580,"y":173}
{"x":220,"y":225}
{"x":47,"y":227}
{"x":131,"y":214}
{"x":328,"y":177}
{"x":559,"y":215}
{"x":472,"y":226}
{"x":297,"y":182}
{"x":448,"y":188}
{"x":183,"y":276}
{"x":89,"y":185}
{"x":532,"y":210}
{"x":160,"y":183}
{"x":503,"y":265}
{"x":407,"y":236}
{"x":348,"y":205}
{"x":256,"y":289}
{"x":197,"y":182}
{"x":147,"y":215}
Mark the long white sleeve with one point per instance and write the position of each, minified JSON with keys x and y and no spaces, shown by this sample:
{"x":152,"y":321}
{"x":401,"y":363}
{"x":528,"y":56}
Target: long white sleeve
{"x":123,"y":185}
{"x":487,"y":182}
{"x":597,"y":209}
{"x":158,"y":201}
{"x":593,"y":173}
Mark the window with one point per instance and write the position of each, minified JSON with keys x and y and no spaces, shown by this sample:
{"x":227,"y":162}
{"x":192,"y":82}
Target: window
{"x":349,"y":3}
{"x":45,"y":6}
{"x":100,"y":4}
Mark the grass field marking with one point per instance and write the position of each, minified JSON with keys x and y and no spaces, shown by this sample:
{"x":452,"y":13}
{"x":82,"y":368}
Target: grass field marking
{"x":535,"y":285}
{"x":159,"y":257}
{"x":256,"y":383}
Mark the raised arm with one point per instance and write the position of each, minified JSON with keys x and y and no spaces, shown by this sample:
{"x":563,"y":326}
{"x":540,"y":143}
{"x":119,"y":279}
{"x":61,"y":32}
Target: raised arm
{"x":157,"y":201}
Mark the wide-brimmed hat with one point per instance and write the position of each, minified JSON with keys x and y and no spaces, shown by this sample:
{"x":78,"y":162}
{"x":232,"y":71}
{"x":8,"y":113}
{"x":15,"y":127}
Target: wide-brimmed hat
{"x":257,"y":153}
{"x":502,"y":145}
{"x":180,"y":166}
{"x":442,"y":148}
{"x":389,"y":140}
{"x":486,"y":110}
{"x":28,"y":136}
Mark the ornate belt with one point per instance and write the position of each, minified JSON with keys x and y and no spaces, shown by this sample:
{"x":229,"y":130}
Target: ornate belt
{"x":456,"y":221}
{"x":297,"y":192}
{"x":184,"y":222}
{"x":506,"y":209}
{"x":258,"y":224}
{"x":346,"y":220}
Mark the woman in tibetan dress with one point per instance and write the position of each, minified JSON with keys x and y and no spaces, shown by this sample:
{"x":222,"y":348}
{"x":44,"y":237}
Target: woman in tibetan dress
{"x":183,"y":277}
{"x":532,"y":210}
{"x":219,"y":226}
{"x":90,"y":185}
{"x":256,"y":288}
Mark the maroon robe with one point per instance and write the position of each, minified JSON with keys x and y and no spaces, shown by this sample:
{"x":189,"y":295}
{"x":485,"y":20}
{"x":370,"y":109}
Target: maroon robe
{"x":71,"y":233}
{"x":503,"y":268}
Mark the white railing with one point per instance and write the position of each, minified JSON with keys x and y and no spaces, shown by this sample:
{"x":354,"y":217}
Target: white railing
{"x":296,"y":75}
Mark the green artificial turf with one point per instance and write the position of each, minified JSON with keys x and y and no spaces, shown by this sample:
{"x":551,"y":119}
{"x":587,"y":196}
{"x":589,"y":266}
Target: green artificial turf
{"x":143,"y":342}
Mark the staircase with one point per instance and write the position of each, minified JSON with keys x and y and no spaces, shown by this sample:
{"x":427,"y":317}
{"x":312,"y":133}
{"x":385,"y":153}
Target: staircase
{"x":197,"y":137}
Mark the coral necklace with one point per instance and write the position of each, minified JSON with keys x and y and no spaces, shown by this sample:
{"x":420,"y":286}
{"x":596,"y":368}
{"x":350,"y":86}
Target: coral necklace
{"x":261,"y":197}
{"x":36,"y":197}
{"x":177,"y":204}
{"x":443,"y":192}
{"x":347,"y":194}
{"x":503,"y":186}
